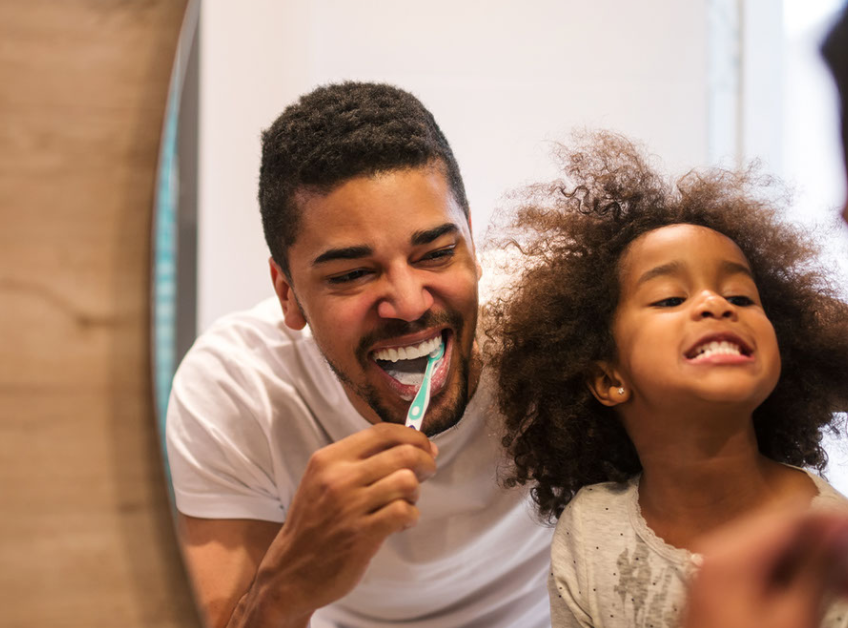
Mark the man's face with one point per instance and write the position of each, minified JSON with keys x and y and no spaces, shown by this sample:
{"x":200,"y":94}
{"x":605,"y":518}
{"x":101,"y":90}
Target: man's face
{"x":382,"y":270}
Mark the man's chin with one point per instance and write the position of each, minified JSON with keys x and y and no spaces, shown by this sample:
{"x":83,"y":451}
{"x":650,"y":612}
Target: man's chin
{"x":441,"y":423}
{"x":442,"y":415}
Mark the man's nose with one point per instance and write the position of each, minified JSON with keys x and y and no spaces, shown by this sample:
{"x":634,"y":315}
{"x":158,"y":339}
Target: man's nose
{"x":406,"y":296}
{"x":712,"y":305}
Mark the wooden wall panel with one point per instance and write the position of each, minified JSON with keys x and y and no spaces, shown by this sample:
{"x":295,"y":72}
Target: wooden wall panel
{"x":85,"y":528}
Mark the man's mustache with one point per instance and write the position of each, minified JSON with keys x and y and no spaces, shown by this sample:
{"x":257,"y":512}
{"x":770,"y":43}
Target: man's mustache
{"x":394,"y":328}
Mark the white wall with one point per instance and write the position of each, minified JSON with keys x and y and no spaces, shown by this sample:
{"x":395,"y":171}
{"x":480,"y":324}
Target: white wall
{"x":504,"y":79}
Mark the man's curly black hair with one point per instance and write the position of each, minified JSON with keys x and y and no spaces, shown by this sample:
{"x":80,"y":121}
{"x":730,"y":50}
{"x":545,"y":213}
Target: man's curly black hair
{"x":338,"y":132}
{"x":547,"y":332}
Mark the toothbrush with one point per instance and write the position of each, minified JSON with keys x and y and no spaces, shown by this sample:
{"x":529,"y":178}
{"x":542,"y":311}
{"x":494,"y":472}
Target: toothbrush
{"x":415,"y":415}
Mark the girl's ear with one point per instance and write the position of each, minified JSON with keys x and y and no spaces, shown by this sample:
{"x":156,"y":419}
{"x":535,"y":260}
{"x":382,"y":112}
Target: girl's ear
{"x":607,"y":386}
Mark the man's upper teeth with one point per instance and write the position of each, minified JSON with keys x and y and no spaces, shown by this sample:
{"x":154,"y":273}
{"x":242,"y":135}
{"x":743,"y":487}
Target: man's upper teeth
{"x":409,"y":353}
{"x":717,"y":348}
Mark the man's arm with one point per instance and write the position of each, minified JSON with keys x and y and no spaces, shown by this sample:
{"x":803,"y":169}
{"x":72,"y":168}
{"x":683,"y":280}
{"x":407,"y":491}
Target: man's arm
{"x":223,"y":556}
{"x":353,"y":494}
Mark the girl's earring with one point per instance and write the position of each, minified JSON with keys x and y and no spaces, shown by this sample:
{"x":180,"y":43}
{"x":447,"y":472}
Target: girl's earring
{"x":621,"y":390}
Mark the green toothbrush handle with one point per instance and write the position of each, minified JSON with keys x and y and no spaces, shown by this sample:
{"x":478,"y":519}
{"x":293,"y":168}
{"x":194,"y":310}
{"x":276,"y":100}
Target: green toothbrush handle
{"x":415,"y":415}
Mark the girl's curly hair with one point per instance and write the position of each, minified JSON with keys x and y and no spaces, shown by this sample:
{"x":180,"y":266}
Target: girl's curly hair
{"x":544,"y":335}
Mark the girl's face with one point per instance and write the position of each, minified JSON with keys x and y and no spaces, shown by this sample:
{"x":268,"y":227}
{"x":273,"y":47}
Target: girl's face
{"x":690,"y":325}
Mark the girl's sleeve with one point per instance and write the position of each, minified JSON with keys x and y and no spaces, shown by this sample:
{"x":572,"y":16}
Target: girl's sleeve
{"x":568,"y":578}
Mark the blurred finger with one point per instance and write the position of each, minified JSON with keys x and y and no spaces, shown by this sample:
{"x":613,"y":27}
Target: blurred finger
{"x":399,"y":457}
{"x":401,"y":484}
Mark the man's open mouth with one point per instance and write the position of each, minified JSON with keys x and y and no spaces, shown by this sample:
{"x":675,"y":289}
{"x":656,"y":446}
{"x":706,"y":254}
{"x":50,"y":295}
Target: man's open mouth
{"x":406,"y":364}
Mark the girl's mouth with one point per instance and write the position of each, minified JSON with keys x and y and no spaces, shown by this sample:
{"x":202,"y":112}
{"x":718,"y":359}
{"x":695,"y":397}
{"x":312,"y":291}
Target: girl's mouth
{"x":721,"y":348}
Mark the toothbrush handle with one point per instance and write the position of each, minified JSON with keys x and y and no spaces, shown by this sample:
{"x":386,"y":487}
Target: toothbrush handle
{"x":415,"y":415}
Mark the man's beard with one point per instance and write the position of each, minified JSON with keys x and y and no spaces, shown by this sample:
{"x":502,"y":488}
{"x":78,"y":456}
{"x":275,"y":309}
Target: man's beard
{"x":438,"y":420}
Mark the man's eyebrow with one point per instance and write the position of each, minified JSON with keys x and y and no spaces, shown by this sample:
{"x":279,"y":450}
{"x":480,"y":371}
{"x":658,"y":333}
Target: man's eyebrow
{"x":425,"y":237}
{"x":348,"y":252}
{"x":356,"y":252}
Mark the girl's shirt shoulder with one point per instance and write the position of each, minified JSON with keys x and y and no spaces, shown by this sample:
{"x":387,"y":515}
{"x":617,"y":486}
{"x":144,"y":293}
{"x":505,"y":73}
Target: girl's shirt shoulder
{"x":611,"y":509}
{"x":608,"y":567}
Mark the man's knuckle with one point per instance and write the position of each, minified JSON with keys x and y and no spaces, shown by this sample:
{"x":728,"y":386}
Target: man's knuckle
{"x":405,"y":513}
{"x":318,"y":460}
{"x":383,"y":429}
{"x":407,"y":481}
{"x":331,"y":484}
{"x":408,"y":456}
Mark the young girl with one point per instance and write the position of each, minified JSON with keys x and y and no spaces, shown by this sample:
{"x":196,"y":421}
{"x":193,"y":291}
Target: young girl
{"x":666,"y":364}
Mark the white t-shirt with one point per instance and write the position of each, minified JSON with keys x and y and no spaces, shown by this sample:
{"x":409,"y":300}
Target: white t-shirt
{"x":609,"y":569}
{"x":250,"y":404}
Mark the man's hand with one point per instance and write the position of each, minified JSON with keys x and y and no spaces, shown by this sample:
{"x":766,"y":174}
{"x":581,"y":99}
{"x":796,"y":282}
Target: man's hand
{"x":353,"y":494}
{"x":770,"y":571}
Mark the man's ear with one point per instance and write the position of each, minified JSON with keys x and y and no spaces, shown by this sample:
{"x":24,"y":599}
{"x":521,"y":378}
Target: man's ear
{"x":607,"y":385}
{"x":292,"y":314}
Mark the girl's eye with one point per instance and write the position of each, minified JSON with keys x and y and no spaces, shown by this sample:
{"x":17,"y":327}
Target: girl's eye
{"x":669,"y":302}
{"x":347,"y":277}
{"x":740,"y":300}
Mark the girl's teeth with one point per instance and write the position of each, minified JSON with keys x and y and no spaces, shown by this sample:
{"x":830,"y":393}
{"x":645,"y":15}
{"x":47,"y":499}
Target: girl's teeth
{"x":717,"y":348}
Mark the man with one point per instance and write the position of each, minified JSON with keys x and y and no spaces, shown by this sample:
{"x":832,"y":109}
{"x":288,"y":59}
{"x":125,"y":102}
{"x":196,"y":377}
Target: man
{"x":302,"y":496}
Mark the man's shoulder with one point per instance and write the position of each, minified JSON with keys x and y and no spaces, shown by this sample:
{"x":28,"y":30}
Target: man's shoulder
{"x":247,"y":328}
{"x":254,"y":340}
{"x":249,"y":373}
{"x":251,"y":354}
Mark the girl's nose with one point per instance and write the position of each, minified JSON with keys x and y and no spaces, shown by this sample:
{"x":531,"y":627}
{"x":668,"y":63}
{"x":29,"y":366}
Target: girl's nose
{"x":406,"y":297}
{"x":712,"y":305}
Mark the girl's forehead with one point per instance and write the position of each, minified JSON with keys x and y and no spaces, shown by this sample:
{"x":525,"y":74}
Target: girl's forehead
{"x":681,"y":245}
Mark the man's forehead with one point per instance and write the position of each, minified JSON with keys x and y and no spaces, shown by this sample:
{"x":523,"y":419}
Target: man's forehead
{"x":404,"y":207}
{"x":407,"y":193}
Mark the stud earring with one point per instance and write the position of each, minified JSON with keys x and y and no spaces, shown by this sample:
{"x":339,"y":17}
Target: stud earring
{"x":621,"y":390}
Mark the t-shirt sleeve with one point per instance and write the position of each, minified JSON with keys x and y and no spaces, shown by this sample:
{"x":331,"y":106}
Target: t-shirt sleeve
{"x":218,"y":451}
{"x":568,"y":600}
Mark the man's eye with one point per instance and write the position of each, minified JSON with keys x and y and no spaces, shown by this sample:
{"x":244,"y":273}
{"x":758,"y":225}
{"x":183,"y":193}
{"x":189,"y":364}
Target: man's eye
{"x":669,"y":302}
{"x":740,"y":300}
{"x":347,"y":277}
{"x":438,"y":254}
